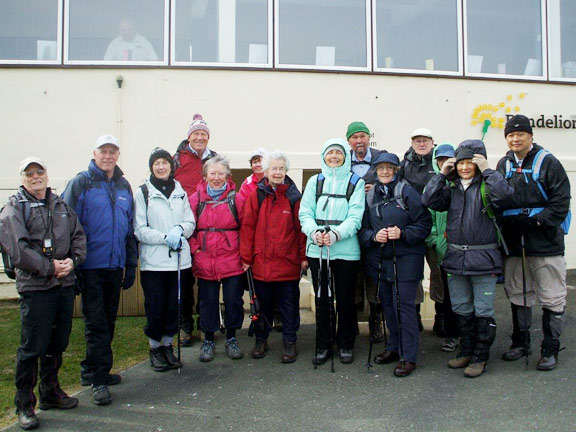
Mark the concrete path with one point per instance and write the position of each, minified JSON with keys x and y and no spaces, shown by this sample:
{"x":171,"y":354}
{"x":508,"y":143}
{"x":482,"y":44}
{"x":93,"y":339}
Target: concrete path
{"x":259,"y":395}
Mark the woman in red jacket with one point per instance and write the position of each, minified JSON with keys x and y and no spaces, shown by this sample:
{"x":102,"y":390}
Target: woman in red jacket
{"x":216,"y":255}
{"x":273,"y":245}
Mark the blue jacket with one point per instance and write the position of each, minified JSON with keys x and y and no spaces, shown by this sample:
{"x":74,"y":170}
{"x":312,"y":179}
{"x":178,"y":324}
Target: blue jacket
{"x":105,"y":208}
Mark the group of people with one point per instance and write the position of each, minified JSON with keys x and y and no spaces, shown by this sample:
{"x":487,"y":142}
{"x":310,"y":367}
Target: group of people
{"x":363,"y":226}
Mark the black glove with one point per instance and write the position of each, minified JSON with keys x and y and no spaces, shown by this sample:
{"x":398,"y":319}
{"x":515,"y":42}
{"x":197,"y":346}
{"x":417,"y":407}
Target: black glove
{"x":129,"y":277}
{"x":79,"y":284}
{"x":526,"y":224}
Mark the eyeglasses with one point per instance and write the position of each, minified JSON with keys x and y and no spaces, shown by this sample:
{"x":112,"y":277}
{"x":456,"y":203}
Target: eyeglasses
{"x":30,"y":174}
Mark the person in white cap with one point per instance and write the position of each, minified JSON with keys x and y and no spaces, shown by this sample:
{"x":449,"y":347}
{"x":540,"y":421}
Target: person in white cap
{"x":102,"y":198}
{"x":250,"y":184}
{"x":45,"y":242}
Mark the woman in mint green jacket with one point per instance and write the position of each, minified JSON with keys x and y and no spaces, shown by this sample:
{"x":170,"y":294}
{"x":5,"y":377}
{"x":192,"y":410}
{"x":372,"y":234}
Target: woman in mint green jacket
{"x":331,"y":213}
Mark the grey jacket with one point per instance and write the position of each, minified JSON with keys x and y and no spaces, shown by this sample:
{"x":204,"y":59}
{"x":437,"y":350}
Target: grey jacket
{"x":23,"y":240}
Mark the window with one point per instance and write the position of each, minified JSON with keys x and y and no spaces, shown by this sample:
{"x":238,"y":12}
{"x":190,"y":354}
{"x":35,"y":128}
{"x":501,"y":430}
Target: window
{"x":322,"y":34}
{"x":504,"y":38}
{"x":29,"y":31}
{"x":221,"y":31}
{"x":421,"y":35}
{"x":562,"y":33}
{"x":116,"y":32}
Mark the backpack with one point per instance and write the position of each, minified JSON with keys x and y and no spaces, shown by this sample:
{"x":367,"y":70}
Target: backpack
{"x":489,"y":210}
{"x":352,"y":181}
{"x":397,"y":197}
{"x":535,"y":175}
{"x":230,"y":200}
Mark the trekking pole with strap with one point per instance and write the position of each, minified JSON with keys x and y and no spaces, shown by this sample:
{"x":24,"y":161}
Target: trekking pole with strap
{"x":330,"y":286}
{"x":317,"y":303}
{"x":524,"y":297}
{"x":258,"y":321}
{"x":179,"y":305}
{"x":395,"y":267}
{"x":369,"y":364}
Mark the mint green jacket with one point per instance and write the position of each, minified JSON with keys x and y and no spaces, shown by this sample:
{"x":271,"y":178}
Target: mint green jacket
{"x":334,"y":208}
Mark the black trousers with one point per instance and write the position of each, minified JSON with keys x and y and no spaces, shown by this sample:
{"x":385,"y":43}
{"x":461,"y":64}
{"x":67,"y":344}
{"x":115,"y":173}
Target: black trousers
{"x":344,"y":275}
{"x":186,"y":319}
{"x":209,"y":303}
{"x":100,"y":299}
{"x":161,"y":301}
{"x":46,"y":324}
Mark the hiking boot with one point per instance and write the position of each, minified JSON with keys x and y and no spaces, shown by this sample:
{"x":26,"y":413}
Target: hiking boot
{"x":404,"y":369}
{"x":322,"y":355}
{"x":260,"y":348}
{"x":233,"y":349}
{"x":171,"y":359}
{"x":459,"y":362}
{"x":111,"y":379}
{"x":386,"y":357}
{"x":547,"y":363}
{"x":185,"y":338}
{"x":449,"y":344}
{"x":290,"y":353}
{"x":101,"y":395}
{"x":475,"y":369}
{"x":27,"y":419}
{"x":64,"y":402}
{"x":515,"y":353}
{"x":157,"y":360}
{"x":346,"y":355}
{"x":207,"y":351}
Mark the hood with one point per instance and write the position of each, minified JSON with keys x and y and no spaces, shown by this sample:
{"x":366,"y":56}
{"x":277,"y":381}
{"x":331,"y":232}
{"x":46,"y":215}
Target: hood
{"x":434,"y":164}
{"x":345,"y":168}
{"x":288,"y":188}
{"x":477,"y":146}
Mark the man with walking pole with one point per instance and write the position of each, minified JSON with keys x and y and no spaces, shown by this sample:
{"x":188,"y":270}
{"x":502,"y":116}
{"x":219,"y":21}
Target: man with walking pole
{"x":534,"y":230}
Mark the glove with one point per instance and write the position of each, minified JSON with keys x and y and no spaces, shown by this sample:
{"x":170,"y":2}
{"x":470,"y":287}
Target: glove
{"x":129,"y":277}
{"x":334,"y":236}
{"x":448,"y":166}
{"x":173,"y":238}
{"x":314,"y":234}
{"x":480,"y":162}
{"x":79,"y":284}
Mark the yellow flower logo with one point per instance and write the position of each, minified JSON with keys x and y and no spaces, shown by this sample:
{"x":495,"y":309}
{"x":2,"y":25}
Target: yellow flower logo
{"x":494,"y":115}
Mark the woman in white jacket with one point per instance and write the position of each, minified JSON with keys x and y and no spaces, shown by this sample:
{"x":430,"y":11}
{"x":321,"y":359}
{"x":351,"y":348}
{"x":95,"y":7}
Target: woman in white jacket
{"x":162,"y":221}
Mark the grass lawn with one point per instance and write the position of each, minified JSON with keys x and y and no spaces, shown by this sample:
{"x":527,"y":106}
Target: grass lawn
{"x":130,"y":346}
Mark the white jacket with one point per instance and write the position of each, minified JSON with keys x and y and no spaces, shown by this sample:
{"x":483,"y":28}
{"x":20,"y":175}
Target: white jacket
{"x":152,"y":226}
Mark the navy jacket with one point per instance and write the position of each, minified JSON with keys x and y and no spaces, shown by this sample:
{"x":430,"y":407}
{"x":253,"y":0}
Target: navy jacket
{"x":105,"y":208}
{"x":415,"y":223}
{"x":467,"y":222}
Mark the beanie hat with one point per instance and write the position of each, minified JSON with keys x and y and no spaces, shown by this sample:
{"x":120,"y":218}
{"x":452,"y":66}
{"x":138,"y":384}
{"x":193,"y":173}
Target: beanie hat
{"x":518,"y":123}
{"x":198,"y":123}
{"x":390,"y":158}
{"x":464,"y":153}
{"x":335,"y":147}
{"x":356,"y":127}
{"x":159,"y":153}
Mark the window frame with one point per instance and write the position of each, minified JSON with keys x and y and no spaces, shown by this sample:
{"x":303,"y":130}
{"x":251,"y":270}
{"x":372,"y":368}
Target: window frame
{"x":367,"y":68}
{"x":123,"y":64}
{"x":543,"y":45}
{"x":460,"y":61}
{"x":549,"y":46}
{"x":58,"y":60}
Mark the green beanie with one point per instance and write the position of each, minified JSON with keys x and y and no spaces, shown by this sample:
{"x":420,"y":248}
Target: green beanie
{"x":355,"y":127}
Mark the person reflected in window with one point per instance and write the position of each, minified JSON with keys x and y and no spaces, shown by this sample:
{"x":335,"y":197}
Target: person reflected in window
{"x":130,"y":45}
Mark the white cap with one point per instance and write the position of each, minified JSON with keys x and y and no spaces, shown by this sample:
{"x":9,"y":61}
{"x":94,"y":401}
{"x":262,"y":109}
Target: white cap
{"x":421,"y":132}
{"x":29,"y":161}
{"x":106,"y":139}
{"x":260,"y":151}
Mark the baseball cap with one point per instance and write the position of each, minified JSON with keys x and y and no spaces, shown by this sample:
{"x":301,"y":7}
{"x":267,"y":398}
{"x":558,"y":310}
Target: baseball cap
{"x":421,"y":132}
{"x":29,"y":161}
{"x":106,"y":139}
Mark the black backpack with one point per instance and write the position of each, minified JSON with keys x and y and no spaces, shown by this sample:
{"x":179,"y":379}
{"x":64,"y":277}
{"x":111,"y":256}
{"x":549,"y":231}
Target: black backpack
{"x":6,"y":259}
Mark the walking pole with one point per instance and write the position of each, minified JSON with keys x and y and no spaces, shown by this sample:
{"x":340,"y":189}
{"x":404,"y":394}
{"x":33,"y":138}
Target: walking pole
{"x":395,"y":265}
{"x":331,"y":301}
{"x":369,"y":364}
{"x":179,"y":306}
{"x":524,"y":297}
{"x":317,"y":303}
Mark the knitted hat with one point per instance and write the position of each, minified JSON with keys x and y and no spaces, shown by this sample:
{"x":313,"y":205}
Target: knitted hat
{"x":464,"y":153}
{"x":355,"y":127}
{"x":159,"y":153}
{"x":518,"y":123}
{"x":198,"y":123}
{"x":335,"y":147}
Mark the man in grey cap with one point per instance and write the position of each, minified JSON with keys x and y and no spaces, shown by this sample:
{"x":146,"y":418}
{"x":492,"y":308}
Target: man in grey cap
{"x":102,"y":198}
{"x":45,"y":242}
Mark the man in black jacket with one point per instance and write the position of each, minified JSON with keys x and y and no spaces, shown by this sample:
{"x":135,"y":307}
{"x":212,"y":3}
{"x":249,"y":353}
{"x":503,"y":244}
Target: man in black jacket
{"x":534,"y":226}
{"x":45,"y":241}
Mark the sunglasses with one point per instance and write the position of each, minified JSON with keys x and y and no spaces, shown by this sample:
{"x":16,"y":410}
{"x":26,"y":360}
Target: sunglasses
{"x":30,"y":174}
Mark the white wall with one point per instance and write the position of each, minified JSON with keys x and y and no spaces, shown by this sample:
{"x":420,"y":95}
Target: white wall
{"x":57,"y":114}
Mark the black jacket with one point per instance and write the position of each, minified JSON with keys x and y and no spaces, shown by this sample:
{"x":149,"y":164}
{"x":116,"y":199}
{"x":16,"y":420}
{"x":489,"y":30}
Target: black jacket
{"x":416,"y":170}
{"x":548,"y":239}
{"x":369,"y":177}
{"x":467,"y":221}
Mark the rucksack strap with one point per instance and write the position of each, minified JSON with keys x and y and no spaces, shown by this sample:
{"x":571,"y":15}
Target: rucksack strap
{"x":144,"y":189}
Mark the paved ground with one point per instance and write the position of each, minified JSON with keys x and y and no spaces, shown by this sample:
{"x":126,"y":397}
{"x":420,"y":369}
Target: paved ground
{"x":258,"y":395}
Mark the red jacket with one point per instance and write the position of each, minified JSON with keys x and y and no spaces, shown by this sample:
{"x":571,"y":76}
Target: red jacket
{"x":248,"y":186}
{"x":216,"y":254}
{"x":271,"y":238}
{"x":188,"y":167}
